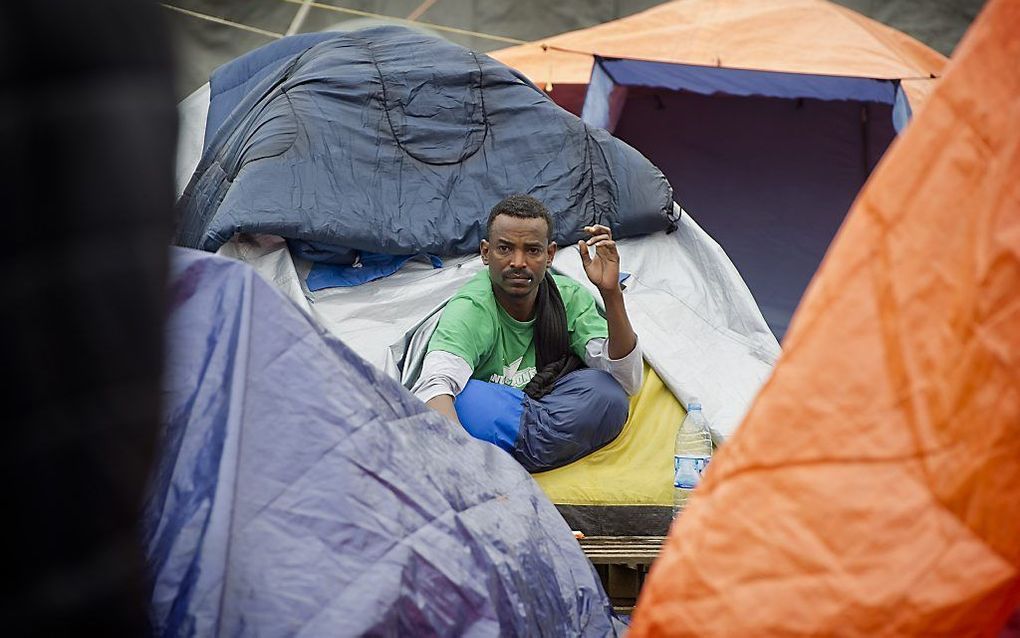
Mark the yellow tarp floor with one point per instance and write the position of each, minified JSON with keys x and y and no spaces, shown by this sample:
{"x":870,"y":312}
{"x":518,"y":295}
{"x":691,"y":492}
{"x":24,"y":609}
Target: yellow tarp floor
{"x":636,"y":468}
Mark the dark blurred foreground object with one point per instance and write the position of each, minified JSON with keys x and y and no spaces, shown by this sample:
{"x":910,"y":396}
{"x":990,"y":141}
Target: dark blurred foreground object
{"x":88,"y":128}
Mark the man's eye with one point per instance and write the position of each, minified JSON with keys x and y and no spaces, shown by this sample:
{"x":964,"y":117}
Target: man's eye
{"x":503,"y":249}
{"x":534,"y":251}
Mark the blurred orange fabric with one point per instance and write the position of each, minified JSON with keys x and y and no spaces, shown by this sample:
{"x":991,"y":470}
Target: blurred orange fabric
{"x":874,"y":487}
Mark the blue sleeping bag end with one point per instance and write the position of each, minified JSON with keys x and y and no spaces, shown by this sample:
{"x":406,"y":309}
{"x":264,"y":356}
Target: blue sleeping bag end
{"x":491,"y":412}
{"x":586,"y":410}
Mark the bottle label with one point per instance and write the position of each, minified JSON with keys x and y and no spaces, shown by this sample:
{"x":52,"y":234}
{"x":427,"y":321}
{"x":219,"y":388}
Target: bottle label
{"x":687,"y":470}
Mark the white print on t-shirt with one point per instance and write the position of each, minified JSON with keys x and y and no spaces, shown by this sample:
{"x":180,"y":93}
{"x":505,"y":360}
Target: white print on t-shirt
{"x":512,"y":377}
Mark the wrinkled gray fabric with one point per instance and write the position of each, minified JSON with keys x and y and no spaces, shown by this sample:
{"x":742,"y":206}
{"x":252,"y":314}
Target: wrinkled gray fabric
{"x":391,"y":141}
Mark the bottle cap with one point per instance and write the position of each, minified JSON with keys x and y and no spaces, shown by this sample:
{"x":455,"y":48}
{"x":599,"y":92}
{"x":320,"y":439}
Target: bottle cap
{"x":693,"y":404}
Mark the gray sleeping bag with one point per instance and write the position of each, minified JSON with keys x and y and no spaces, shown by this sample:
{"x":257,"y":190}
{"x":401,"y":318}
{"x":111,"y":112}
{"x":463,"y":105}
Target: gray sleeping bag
{"x":392,"y":141}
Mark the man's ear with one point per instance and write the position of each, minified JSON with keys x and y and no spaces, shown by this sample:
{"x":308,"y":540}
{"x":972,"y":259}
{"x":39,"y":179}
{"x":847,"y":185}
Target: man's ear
{"x":550,"y":252}
{"x":484,"y":249}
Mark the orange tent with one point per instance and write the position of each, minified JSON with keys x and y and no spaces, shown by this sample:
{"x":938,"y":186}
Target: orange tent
{"x":766,"y":117}
{"x":874,"y":487}
{"x":794,"y":36}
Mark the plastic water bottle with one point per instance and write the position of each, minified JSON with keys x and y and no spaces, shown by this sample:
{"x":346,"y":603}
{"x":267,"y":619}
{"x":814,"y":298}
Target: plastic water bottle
{"x":691,"y":454}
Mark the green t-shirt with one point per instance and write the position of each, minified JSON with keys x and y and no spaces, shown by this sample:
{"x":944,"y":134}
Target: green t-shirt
{"x":499,"y":348}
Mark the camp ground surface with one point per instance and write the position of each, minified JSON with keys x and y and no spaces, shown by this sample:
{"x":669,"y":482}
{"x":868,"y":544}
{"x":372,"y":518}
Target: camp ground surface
{"x":702,"y":331}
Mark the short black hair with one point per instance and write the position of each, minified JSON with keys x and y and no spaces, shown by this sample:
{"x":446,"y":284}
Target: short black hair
{"x":521,"y":207}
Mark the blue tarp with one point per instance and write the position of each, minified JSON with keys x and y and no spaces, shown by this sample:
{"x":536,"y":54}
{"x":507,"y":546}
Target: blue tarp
{"x":368,"y":267}
{"x":301,"y":492}
{"x":391,"y":141}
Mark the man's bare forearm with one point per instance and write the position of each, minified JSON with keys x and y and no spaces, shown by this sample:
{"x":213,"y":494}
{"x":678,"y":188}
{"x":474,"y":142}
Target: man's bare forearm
{"x":443,"y":404}
{"x":621,"y":335}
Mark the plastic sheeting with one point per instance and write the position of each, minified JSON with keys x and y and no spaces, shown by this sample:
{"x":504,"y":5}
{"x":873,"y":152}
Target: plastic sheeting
{"x":873,"y":488}
{"x":368,"y":267}
{"x":301,"y":492}
{"x":390,"y":141}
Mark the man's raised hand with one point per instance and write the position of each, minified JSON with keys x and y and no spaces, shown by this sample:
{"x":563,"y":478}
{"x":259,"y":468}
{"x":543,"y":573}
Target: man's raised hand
{"x":603,"y":269}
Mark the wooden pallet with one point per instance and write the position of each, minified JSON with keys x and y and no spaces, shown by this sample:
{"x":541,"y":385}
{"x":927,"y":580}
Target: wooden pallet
{"x":622,"y":562}
{"x":622,"y":550}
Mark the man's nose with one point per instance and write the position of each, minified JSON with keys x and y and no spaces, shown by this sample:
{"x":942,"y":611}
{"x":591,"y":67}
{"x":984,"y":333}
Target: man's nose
{"x":517,"y":259}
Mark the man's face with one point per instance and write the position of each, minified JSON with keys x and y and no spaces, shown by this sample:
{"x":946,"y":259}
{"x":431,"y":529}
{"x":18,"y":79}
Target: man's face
{"x":517,"y":253}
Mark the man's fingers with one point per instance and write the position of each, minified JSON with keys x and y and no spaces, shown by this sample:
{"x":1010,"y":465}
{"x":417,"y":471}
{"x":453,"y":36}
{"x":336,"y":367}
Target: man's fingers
{"x":594,"y":241}
{"x":598,"y":229}
{"x":583,"y":249}
{"x":607,"y":244}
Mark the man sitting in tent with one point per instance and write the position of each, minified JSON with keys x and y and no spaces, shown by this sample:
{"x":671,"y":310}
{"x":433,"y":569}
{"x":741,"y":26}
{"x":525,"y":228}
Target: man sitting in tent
{"x":525,"y":360}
